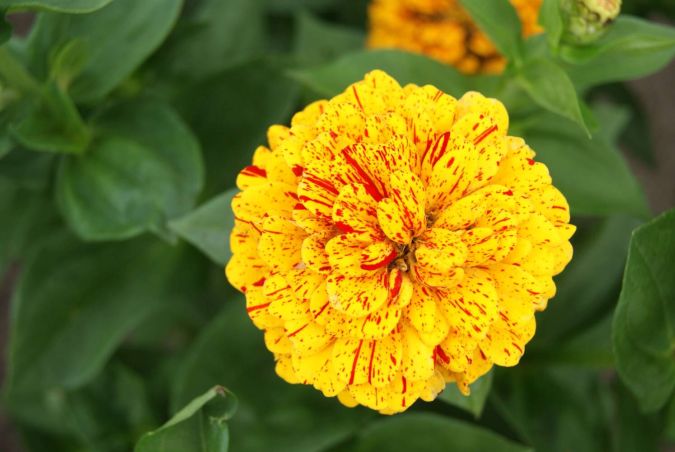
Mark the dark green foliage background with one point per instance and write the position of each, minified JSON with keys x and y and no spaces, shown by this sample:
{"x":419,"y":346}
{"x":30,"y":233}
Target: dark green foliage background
{"x":123,"y":124}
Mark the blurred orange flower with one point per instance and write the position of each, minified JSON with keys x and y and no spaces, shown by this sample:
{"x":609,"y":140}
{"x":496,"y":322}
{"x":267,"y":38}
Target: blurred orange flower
{"x":443,"y":30}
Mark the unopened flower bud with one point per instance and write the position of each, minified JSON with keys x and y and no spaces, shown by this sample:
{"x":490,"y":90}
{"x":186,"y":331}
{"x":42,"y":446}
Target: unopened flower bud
{"x":587,"y":20}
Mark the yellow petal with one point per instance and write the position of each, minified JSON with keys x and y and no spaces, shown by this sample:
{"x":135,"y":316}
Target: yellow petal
{"x":283,"y":302}
{"x":518,"y":292}
{"x":504,"y":344}
{"x":391,"y":222}
{"x":355,"y":210}
{"x":359,"y":361}
{"x":277,"y":342}
{"x":518,"y":170}
{"x":284,"y":369}
{"x":245,"y":270}
{"x":471,"y":306}
{"x":426,"y":317}
{"x":417,"y":359}
{"x":257,"y":308}
{"x":313,"y":253}
{"x":353,"y":255}
{"x":440,"y":250}
{"x":256,"y":203}
{"x":358,"y":296}
{"x":307,"y":337}
{"x":280,"y":244}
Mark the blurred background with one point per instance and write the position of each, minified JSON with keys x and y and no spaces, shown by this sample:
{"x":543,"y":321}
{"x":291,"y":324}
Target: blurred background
{"x":647,"y":142}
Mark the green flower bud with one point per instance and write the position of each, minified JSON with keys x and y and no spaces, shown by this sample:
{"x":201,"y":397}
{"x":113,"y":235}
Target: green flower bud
{"x":587,"y":20}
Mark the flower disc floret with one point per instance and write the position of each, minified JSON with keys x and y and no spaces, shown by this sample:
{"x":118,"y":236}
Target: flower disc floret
{"x":443,"y":30}
{"x":395,"y":239}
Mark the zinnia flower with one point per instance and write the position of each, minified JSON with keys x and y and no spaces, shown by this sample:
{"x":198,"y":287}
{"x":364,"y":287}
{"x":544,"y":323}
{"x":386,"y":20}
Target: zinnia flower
{"x":443,"y":30}
{"x":394,"y":240}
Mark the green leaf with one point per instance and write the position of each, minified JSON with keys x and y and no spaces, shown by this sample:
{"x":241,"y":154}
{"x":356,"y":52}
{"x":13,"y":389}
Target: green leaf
{"x":590,"y":348}
{"x":556,"y":410}
{"x":550,"y":87}
{"x":632,"y":48}
{"x":644,"y":321}
{"x":119,"y":37}
{"x":551,"y":19}
{"x":670,"y":422}
{"x":68,"y":61}
{"x":107,"y":414}
{"x":499,"y":21}
{"x":591,"y":174}
{"x":331,"y":79}
{"x":212,"y":36}
{"x":635,"y":430}
{"x":53,"y":124}
{"x":472,"y":403}
{"x":636,"y":134}
{"x":231,"y":112}
{"x":143,"y":169}
{"x":5,"y":143}
{"x":200,"y":426}
{"x":74,"y":304}
{"x":29,"y":170}
{"x":63,"y":6}
{"x":272,"y":415}
{"x":286,"y":6}
{"x":430,"y":433}
{"x":208,"y":227}
{"x":27,"y":216}
{"x":317,"y":41}
{"x":5,"y":28}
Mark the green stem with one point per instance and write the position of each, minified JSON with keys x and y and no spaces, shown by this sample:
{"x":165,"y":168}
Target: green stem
{"x":15,"y":75}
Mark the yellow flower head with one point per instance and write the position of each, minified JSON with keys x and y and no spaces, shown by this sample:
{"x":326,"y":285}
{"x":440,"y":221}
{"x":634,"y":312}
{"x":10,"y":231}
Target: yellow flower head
{"x":443,"y":30}
{"x":393,"y":240}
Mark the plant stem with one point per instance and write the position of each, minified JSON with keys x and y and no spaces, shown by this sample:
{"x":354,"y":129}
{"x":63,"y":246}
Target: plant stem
{"x":15,"y":75}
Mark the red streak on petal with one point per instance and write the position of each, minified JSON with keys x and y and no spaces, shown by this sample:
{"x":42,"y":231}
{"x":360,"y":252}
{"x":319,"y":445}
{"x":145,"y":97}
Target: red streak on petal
{"x":271,"y":294}
{"x":356,"y":95}
{"x":321,"y":183}
{"x":439,"y":353}
{"x":485,"y":134}
{"x":257,"y":307}
{"x":254,"y":171}
{"x":259,"y":282}
{"x":298,"y":170}
{"x":298,"y":330}
{"x":370,"y":364}
{"x":250,"y":223}
{"x":383,"y":263}
{"x":559,"y":207}
{"x":530,"y":162}
{"x":344,"y":227}
{"x":356,"y":358}
{"x":369,"y":185}
{"x":305,"y":199}
{"x":323,"y":308}
{"x":393,"y":293}
{"x":509,"y":193}
{"x":437,"y":153}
